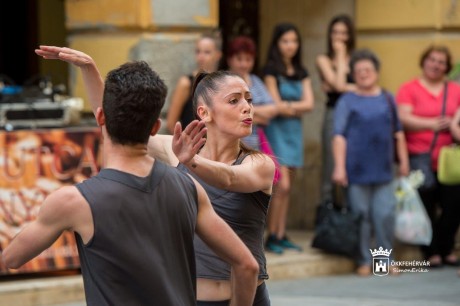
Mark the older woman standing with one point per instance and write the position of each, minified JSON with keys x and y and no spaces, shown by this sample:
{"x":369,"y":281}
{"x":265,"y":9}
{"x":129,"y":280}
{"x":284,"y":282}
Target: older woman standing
{"x":420,"y":102}
{"x":365,"y":123}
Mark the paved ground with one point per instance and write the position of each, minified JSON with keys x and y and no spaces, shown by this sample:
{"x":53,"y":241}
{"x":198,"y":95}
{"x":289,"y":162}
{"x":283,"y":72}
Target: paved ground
{"x":440,"y":287}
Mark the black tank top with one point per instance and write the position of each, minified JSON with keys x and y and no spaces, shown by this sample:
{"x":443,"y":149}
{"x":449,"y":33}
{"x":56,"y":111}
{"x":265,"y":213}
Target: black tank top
{"x":333,"y":96}
{"x":142,"y":249}
{"x":246,"y":214}
{"x":187,"y":114}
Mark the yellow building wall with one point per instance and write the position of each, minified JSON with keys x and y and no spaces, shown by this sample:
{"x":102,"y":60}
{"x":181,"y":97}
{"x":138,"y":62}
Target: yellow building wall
{"x":396,"y":14}
{"x":450,"y":13}
{"x":109,"y":31}
{"x":121,"y":13}
{"x":107,"y":14}
{"x":398,"y":31}
{"x":109,"y":51}
{"x":169,"y":54}
{"x":406,"y":14}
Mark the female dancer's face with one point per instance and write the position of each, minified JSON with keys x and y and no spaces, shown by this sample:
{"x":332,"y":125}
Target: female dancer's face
{"x":207,"y":55}
{"x":241,"y":63}
{"x":288,"y":44}
{"x":231,"y":111}
{"x":339,"y":33}
{"x":435,"y":66}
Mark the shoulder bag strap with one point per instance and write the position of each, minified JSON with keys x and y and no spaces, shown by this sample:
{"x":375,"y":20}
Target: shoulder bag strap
{"x":392,"y":110}
{"x":443,"y":111}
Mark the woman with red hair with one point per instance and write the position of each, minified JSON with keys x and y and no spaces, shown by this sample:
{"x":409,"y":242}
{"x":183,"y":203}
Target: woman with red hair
{"x":241,"y":56}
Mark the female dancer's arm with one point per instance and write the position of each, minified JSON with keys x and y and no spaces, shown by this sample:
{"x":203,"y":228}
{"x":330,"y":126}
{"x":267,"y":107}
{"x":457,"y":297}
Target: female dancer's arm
{"x":255,"y":173}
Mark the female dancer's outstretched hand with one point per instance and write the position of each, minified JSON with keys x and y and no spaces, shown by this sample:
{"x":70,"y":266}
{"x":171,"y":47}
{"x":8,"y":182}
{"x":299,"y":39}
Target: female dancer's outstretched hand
{"x":186,"y":143}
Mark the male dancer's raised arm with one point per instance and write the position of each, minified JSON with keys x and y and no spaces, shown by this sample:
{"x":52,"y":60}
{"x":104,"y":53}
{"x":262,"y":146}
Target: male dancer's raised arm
{"x":210,"y":227}
{"x":92,"y":79}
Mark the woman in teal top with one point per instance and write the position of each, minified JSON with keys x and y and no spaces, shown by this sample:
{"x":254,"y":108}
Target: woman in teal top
{"x":289,"y":85}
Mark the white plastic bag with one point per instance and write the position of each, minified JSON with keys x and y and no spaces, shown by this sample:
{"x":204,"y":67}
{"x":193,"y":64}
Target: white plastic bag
{"x":412,"y":224}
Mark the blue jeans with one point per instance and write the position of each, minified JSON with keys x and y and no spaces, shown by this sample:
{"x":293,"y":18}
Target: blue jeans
{"x":376,"y":203}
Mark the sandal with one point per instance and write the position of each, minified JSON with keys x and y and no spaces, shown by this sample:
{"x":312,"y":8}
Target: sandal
{"x":451,"y":260}
{"x":364,"y":270}
{"x":435,"y":261}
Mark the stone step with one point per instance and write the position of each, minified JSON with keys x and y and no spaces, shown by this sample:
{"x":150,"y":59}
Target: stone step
{"x":310,"y":262}
{"x":42,"y":289}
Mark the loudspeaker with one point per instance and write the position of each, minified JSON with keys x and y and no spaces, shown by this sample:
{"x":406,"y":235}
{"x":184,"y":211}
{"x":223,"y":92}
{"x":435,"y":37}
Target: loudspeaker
{"x":39,"y":114}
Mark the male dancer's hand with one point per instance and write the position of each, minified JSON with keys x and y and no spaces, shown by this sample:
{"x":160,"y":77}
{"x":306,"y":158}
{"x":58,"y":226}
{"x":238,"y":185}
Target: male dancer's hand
{"x":92,"y":79}
{"x":71,"y":56}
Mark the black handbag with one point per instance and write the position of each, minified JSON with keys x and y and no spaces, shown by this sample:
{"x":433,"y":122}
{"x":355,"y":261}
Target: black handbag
{"x":337,"y":228}
{"x":422,"y":161}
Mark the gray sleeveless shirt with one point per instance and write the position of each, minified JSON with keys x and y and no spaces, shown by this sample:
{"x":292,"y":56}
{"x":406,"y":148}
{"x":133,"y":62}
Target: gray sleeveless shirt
{"x":246,"y":214}
{"x":142,"y":250}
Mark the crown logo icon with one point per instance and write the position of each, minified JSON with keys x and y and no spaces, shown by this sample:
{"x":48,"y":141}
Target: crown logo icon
{"x":380,"y":252}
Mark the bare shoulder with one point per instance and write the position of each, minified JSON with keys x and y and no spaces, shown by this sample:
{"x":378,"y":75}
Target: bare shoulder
{"x":258,"y":157}
{"x":322,"y":60}
{"x":160,"y":147}
{"x":161,"y":139}
{"x":260,"y":160}
{"x":184,"y":83}
{"x":202,"y":196}
{"x":322,"y":57}
{"x":65,"y":202}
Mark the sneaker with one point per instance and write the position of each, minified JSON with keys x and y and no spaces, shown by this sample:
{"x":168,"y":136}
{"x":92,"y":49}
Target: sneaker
{"x":272,"y":245}
{"x":287,"y":244}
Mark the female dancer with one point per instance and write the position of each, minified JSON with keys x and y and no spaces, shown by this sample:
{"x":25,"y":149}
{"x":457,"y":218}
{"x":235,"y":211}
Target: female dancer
{"x":238,"y":180}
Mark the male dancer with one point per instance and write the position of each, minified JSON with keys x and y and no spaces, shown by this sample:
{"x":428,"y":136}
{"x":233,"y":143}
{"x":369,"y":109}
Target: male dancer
{"x":134,"y":222}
